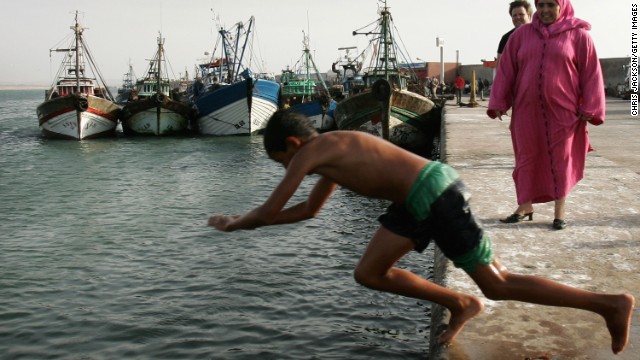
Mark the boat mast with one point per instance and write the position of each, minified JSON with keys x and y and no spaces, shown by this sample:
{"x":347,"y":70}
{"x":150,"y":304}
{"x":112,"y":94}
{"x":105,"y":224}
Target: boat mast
{"x":246,"y":40}
{"x":225,"y":56}
{"x":384,"y":54}
{"x":159,"y":64}
{"x":78,"y":33}
{"x":236,"y":60}
{"x":386,"y":39}
{"x":159,"y":94}
{"x":309,"y":63}
{"x":307,"y":56}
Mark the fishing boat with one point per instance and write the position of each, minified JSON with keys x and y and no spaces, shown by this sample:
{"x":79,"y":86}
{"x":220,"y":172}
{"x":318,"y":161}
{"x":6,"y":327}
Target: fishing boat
{"x":128,"y":83}
{"x":181,"y":88}
{"x":410,"y":115}
{"x":302,"y":94}
{"x":229,"y":98}
{"x":348,"y":78}
{"x":154,"y":108}
{"x":78,"y":105}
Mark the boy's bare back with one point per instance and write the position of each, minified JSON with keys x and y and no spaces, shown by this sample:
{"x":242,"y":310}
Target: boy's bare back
{"x":363,"y":163}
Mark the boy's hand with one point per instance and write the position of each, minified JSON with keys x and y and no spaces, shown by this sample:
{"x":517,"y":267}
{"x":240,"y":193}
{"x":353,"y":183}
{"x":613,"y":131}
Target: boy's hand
{"x":221,"y":222}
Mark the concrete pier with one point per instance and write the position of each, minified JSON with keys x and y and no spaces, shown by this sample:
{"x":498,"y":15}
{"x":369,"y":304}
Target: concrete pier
{"x":598,"y":251}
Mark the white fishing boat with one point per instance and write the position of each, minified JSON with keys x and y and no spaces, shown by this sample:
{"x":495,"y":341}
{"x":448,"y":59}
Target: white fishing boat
{"x":78,"y":105}
{"x":229,"y":98}
{"x":154,"y":108}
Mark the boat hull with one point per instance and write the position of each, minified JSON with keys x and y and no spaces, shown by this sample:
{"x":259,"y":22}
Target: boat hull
{"x":242,"y":108}
{"x":78,"y":117}
{"x":156,"y":116}
{"x":407,"y":121}
{"x":321,"y":116}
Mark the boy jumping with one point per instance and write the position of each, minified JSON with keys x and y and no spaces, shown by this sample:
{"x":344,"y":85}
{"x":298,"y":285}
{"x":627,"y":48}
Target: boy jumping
{"x":428,"y":202}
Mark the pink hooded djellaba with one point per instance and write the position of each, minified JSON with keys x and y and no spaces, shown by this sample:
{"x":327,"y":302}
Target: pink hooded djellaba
{"x":549,"y":75}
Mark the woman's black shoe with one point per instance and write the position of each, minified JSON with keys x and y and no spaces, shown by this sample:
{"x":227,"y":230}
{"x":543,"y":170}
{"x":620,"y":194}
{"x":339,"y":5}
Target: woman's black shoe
{"x":559,"y":224}
{"x":514,"y":218}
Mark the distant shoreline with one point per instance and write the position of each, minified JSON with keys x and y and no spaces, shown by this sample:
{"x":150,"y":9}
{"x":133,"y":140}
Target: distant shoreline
{"x":23,"y":87}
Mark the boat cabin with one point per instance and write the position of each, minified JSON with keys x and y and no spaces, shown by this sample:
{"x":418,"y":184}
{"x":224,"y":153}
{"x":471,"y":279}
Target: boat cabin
{"x":294,"y":85}
{"x":70,"y":86}
{"x":148,"y":88}
{"x":397,"y":79}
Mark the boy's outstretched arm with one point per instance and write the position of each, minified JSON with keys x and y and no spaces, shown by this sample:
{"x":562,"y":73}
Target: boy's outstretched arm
{"x":264,"y":215}
{"x":308,"y":209}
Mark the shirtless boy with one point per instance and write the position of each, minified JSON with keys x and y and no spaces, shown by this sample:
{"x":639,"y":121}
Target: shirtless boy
{"x":428,"y":202}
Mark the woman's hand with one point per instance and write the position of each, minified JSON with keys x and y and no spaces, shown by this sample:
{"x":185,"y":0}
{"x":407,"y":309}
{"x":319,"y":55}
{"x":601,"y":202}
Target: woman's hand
{"x":586,"y":117}
{"x":493,"y":113}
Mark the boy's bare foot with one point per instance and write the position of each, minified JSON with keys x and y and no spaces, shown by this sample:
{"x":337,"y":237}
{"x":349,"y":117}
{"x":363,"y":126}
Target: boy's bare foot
{"x":619,"y":322}
{"x":459,"y":318}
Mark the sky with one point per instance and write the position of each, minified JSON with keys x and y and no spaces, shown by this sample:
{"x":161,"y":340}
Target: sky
{"x":123,"y":32}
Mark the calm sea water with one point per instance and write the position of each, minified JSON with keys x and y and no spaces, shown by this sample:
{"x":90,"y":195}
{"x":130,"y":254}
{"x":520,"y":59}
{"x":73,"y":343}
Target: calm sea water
{"x":105,"y":254}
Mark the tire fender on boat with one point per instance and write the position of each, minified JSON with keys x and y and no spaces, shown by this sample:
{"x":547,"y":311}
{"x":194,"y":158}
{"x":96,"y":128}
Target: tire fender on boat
{"x":159,"y":98}
{"x":381,"y":90}
{"x":82,"y":103}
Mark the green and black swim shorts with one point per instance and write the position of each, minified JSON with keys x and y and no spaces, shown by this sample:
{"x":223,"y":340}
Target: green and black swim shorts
{"x":437,"y":208}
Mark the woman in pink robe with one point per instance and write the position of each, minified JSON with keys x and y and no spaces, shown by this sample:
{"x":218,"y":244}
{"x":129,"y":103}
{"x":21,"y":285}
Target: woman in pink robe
{"x":550,"y":76}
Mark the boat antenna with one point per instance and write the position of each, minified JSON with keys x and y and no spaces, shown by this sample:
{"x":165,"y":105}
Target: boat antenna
{"x":308,"y":27}
{"x":161,"y":18}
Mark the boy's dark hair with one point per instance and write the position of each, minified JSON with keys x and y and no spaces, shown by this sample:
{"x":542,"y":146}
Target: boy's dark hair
{"x":520,"y":3}
{"x":282,"y":124}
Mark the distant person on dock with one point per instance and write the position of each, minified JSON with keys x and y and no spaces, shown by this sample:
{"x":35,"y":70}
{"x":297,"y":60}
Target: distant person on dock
{"x":551,"y":78}
{"x":480,"y":85}
{"x":486,"y":84}
{"x":427,"y":87}
{"x":520,"y":12}
{"x":429,"y":201}
{"x":434,"y":86}
{"x":459,"y":84}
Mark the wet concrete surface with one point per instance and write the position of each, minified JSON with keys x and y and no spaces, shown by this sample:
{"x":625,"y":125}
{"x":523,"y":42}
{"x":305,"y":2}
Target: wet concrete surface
{"x":598,"y":251}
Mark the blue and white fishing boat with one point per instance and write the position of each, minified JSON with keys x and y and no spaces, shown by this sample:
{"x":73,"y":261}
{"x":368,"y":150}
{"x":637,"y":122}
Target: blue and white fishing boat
{"x":306,"y":92}
{"x":230,"y":100}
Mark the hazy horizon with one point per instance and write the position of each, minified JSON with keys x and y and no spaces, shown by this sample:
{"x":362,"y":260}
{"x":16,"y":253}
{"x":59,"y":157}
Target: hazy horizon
{"x":121,"y":32}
